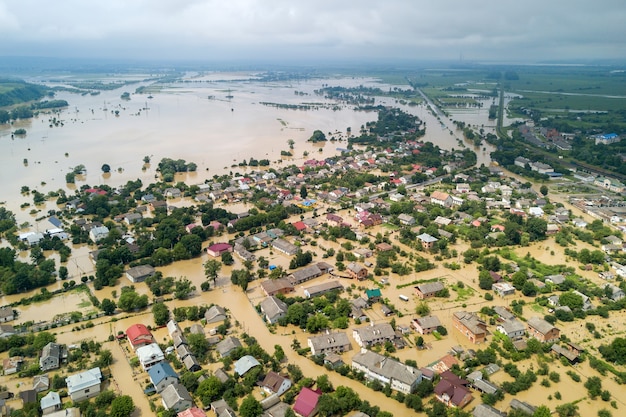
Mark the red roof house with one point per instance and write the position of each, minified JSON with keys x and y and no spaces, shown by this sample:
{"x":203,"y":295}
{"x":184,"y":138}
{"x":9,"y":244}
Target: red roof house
{"x":306,"y":403}
{"x":139,"y":335}
{"x":192,"y":412}
{"x":299,"y":225}
{"x":452,"y":390}
{"x":217,"y":249}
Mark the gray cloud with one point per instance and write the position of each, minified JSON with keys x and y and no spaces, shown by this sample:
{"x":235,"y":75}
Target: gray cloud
{"x":324,"y":29}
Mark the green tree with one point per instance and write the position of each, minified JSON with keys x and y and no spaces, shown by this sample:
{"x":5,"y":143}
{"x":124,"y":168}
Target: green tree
{"x":105,"y":359}
{"x":212,"y":268}
{"x":161,"y":313}
{"x":324,"y":384}
{"x":250,"y":407}
{"x":542,"y":411}
{"x":571,"y":300}
{"x":303,"y":191}
{"x":106,"y":168}
{"x":122,"y":406}
{"x":543,"y":190}
{"x":108,"y":306}
{"x":209,"y":390}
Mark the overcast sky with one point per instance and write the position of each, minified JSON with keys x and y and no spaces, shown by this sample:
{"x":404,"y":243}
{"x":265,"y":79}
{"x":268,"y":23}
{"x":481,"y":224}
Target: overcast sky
{"x":294,"y":30}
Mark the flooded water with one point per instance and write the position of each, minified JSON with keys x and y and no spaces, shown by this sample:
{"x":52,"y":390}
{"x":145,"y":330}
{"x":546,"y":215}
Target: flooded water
{"x":181,"y":121}
{"x":194,"y":120}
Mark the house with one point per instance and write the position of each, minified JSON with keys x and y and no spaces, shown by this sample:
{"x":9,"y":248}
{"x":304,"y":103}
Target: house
{"x":586,"y":300}
{"x":12,"y":365}
{"x":503,"y":313}
{"x":138,"y":335}
{"x":192,"y":412}
{"x":516,"y":404}
{"x":616,"y":293}
{"x":402,"y":378}
{"x":272,"y":287}
{"x":140,"y":273}
{"x":606,"y":139}
{"x":285,"y":247}
{"x":274,"y":383}
{"x":41,"y":383}
{"x":217,"y":249}
{"x":6,"y":330}
{"x":161,"y":375}
{"x":98,"y":233}
{"x":50,"y":403}
{"x":470,"y":325}
{"x":542,"y":330}
{"x":273,"y":309}
{"x":305,"y":274}
{"x":244,"y":253}
{"x":51,"y":356}
{"x":425,"y":325}
{"x":173,"y":329}
{"x":323,"y":288}
{"x":357,"y":271}
{"x":333,"y":360}
{"x":215,"y":314}
{"x":483,"y":385}
{"x":227,"y":346}
{"x":172,"y":193}
{"x":149,"y":355}
{"x":6,"y":314}
{"x":84,"y":385}
{"x":503,"y":289}
{"x":244,"y":364}
{"x":330,"y":342}
{"x":555,"y":279}
{"x":357,"y":306}
{"x":176,"y":397}
{"x":428,"y":289}
{"x":28,"y":396}
{"x":572,"y":355}
{"x":441,"y":198}
{"x":132,"y":218}
{"x":484,"y":410}
{"x":222,"y":409}
{"x":191,"y":363}
{"x":373,"y":295}
{"x":374,"y":334}
{"x":513,"y":329}
{"x":452,"y":390}
{"x":383,"y":247}
{"x":306,"y":402}
{"x":427,"y":240}
{"x":406,"y":219}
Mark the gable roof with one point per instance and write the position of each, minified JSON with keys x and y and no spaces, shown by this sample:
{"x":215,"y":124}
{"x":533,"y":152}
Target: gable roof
{"x":173,"y":394}
{"x":273,"y":307}
{"x":51,"y":399}
{"x":307,"y":401}
{"x":540,"y":325}
{"x":160,"y":371}
{"x":273,"y":381}
{"x":244,"y":364}
{"x":138,"y":333}
{"x":387,"y":367}
{"x":78,"y":382}
{"x":192,"y":412}
{"x":215,"y":314}
{"x":227,"y":345}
